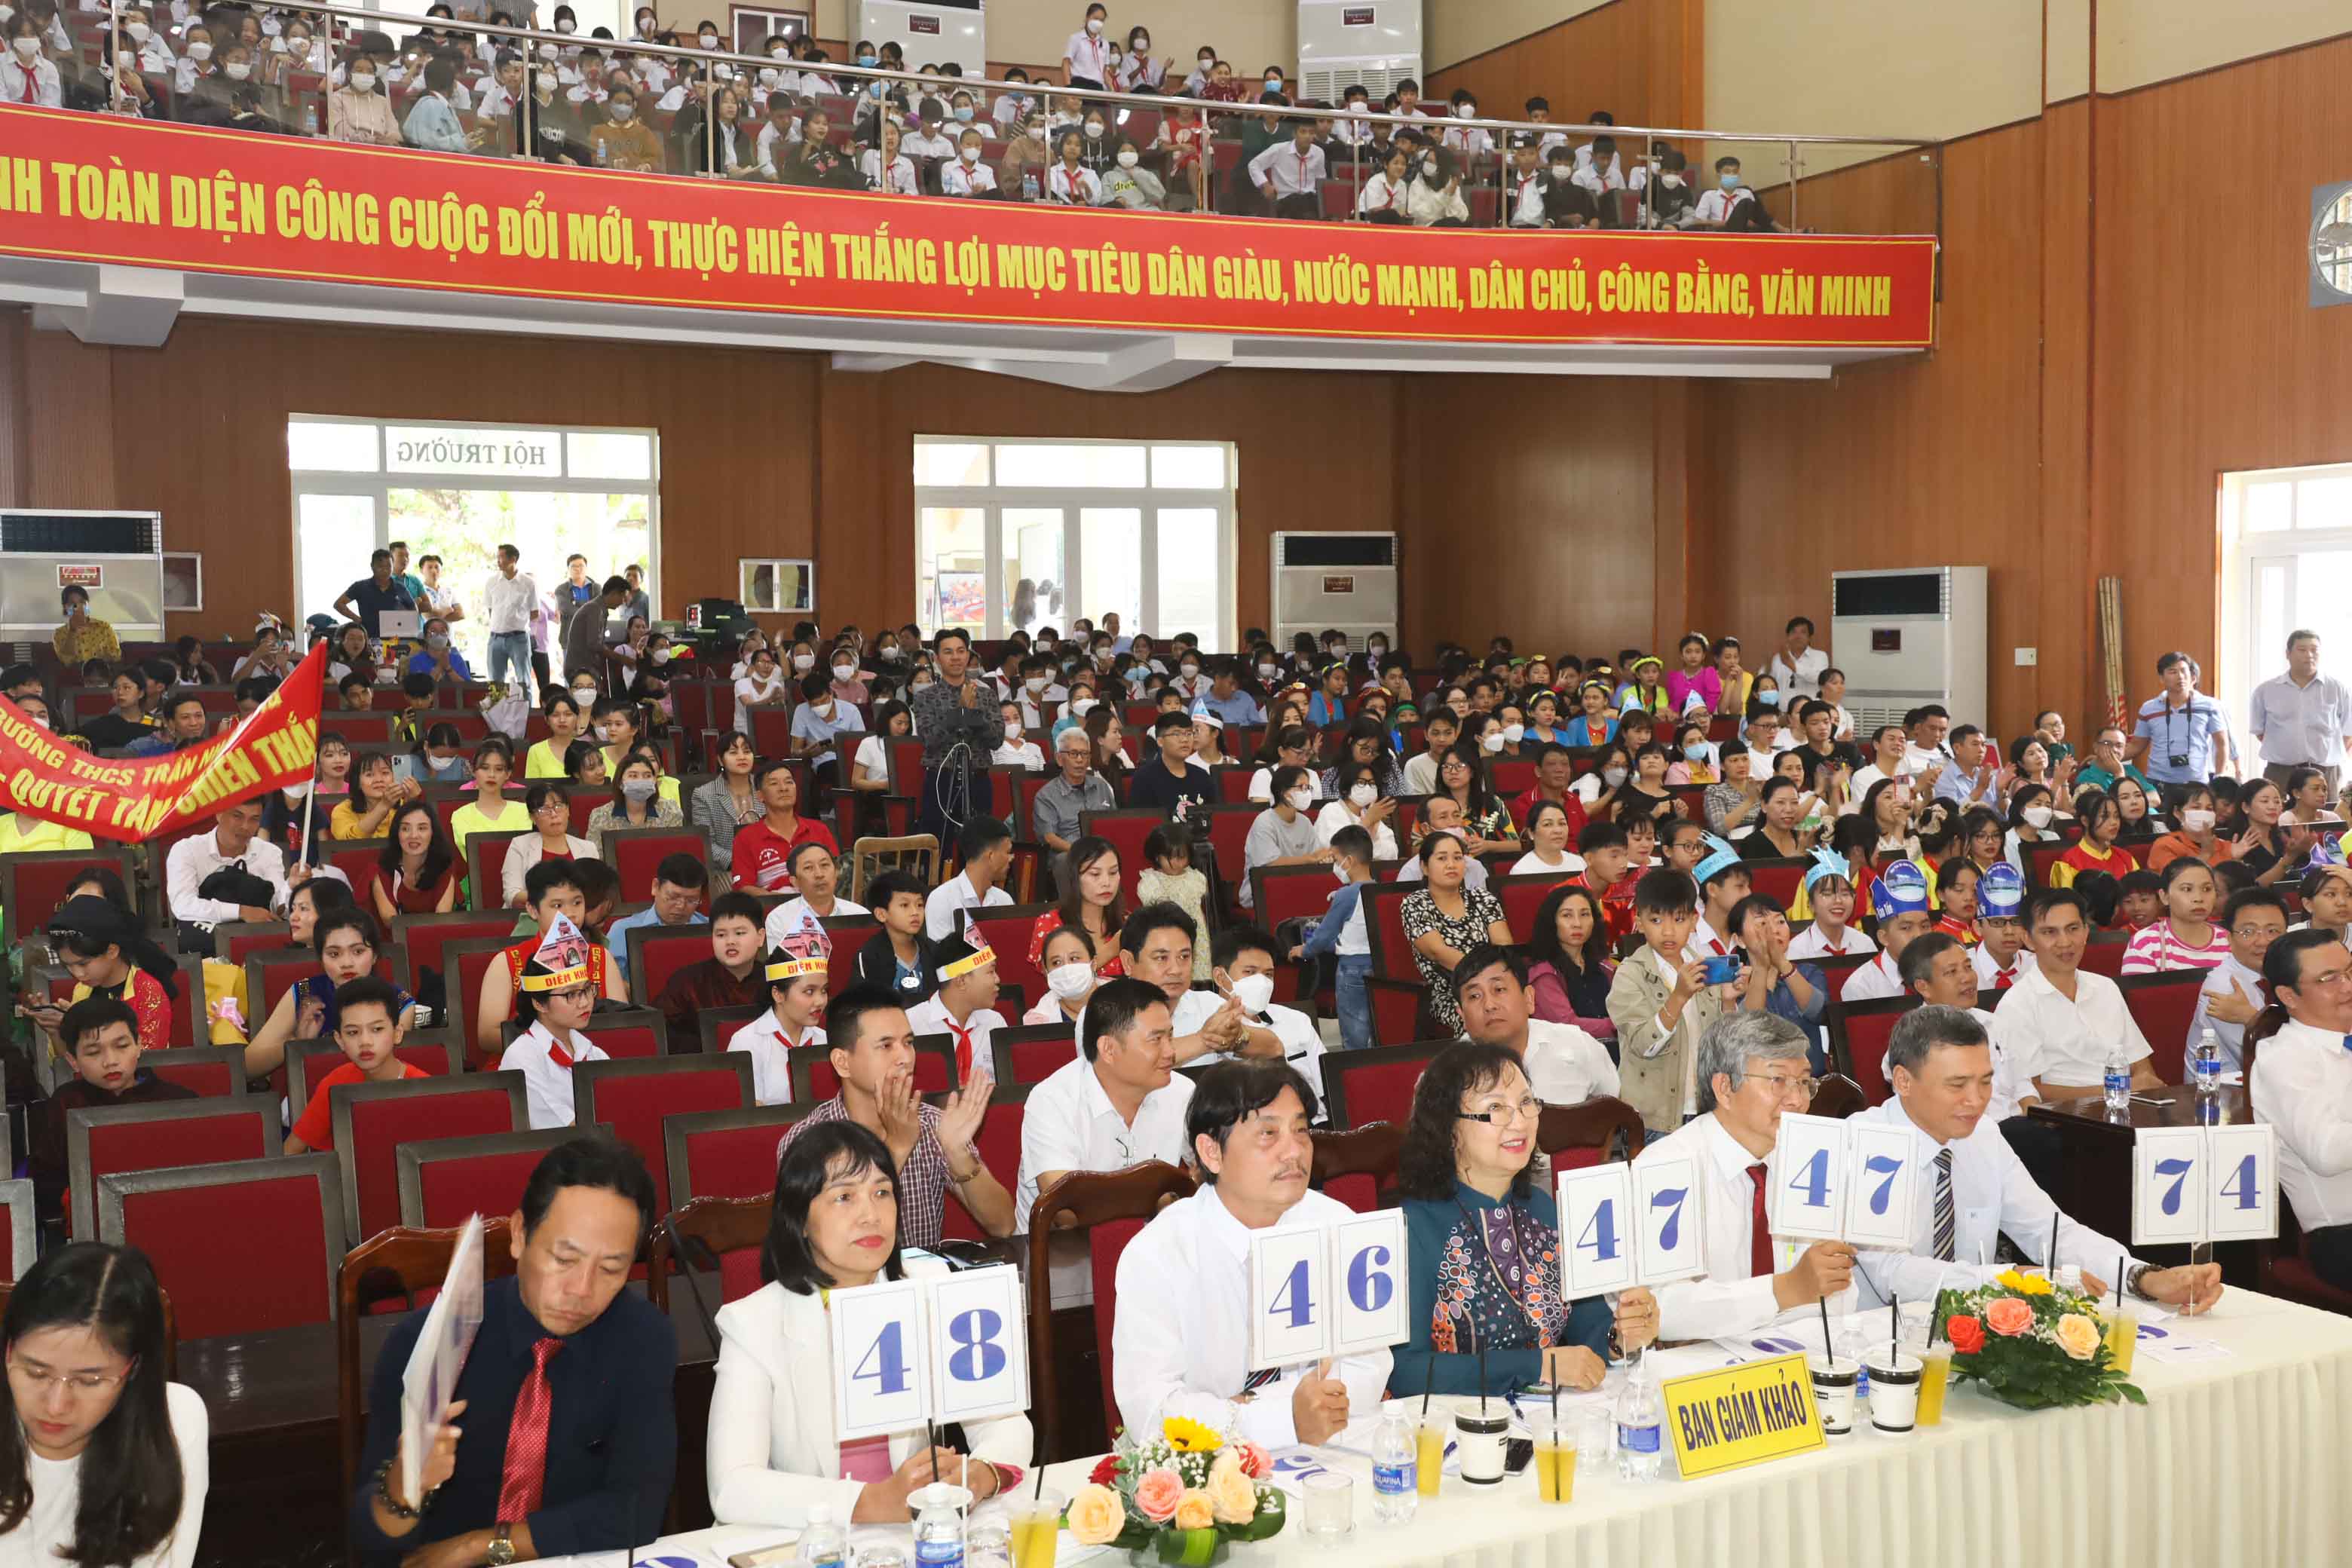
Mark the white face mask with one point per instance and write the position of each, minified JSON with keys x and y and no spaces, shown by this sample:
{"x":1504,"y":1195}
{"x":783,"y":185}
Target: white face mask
{"x":1254,"y":992}
{"x":972,"y":154}
{"x":364,"y":81}
{"x":1082,"y":706}
{"x":200,"y":51}
{"x":26,"y":47}
{"x":1070,"y":980}
{"x":1466,"y":111}
{"x":565,"y":27}
{"x":1492,"y":740}
{"x":1300,"y":799}
{"x":583,"y":695}
{"x":547,"y":82}
{"x":844,"y":671}
{"x":2196,"y":820}
{"x":1267,"y":671}
{"x":1612,"y":777}
{"x":1033,"y":685}
{"x":804,"y":662}
{"x":2037,"y":817}
{"x":1515,"y":733}
{"x":1362,"y":796}
{"x":1094,"y":26}
{"x":1127,"y":157}
{"x":236,"y":70}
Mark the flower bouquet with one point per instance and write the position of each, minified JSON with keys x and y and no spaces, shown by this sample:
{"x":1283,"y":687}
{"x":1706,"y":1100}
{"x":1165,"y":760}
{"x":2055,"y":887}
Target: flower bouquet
{"x":2032,"y":1343}
{"x":1183,"y":1496}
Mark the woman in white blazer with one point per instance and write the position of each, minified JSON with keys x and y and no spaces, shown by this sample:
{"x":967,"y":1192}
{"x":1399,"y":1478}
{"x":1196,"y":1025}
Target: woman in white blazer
{"x":771,"y":1451}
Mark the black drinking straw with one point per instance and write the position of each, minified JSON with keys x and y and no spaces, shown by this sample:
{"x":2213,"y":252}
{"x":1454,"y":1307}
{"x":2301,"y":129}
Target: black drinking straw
{"x":1481,"y":1351}
{"x":1894,"y":1324}
{"x":2056,"y":1214}
{"x":1829,"y":1350}
{"x":1428,"y":1382}
{"x":2120,"y":1263}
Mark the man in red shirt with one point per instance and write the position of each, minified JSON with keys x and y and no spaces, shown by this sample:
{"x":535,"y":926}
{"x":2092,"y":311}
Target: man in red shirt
{"x":763,"y":849}
{"x":1555,"y":770}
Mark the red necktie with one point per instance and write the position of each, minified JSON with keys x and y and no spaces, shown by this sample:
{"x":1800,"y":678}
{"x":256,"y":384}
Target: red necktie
{"x":2003,"y":979}
{"x":557,"y":1054}
{"x":525,"y":1476}
{"x":964,"y":1049}
{"x":1760,"y":1230}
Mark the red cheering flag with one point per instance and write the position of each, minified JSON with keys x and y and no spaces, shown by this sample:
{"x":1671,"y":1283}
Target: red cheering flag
{"x":131,"y":799}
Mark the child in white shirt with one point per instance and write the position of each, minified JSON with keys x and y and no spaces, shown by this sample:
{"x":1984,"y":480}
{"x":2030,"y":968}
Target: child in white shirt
{"x":797,"y":992}
{"x":968,"y":175}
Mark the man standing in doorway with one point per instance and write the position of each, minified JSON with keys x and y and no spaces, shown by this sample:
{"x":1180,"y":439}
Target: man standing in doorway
{"x":2299,"y":718}
{"x":510,"y":600}
{"x":960,"y":726}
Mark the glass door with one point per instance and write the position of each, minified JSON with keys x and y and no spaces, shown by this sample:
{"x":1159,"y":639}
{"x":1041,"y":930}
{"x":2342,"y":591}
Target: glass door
{"x":951,"y":566}
{"x":1032,"y":576}
{"x":334,"y":534}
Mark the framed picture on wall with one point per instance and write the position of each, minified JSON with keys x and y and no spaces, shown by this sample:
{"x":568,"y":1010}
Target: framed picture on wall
{"x":777,"y":588}
{"x":183,"y":580}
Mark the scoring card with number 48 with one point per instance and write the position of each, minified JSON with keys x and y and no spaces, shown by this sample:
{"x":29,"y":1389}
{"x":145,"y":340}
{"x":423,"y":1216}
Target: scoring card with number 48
{"x":948,"y":1347}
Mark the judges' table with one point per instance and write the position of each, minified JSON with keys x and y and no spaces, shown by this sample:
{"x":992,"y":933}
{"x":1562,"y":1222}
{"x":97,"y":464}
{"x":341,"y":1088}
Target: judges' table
{"x":2235,"y":1459}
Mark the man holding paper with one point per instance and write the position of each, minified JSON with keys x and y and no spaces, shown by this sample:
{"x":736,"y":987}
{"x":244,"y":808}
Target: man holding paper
{"x":563,"y":1436}
{"x":1188,"y":1353}
{"x":2305,"y":1091}
{"x":1752,"y":1067}
{"x":1973,"y":1185}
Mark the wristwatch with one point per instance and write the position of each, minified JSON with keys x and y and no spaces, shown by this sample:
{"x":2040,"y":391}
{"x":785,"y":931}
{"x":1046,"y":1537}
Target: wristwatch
{"x":501,"y":1549}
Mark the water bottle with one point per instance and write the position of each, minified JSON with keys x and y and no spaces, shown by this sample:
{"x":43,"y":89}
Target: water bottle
{"x":823,"y":1544}
{"x":2118,"y":1079}
{"x":1396,"y":1469}
{"x":2207,"y":1063}
{"x":1640,"y":1457}
{"x":311,"y":121}
{"x":938,"y":1536}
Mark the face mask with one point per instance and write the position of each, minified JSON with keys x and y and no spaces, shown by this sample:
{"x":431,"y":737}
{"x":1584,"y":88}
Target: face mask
{"x":639,"y":790}
{"x":583,"y":695}
{"x":1730,"y":181}
{"x":1612,"y":777}
{"x":1466,"y":111}
{"x":7,"y":14}
{"x":890,"y":654}
{"x":1035,"y":684}
{"x":1274,"y":84}
{"x":2037,"y":817}
{"x":1128,"y":158}
{"x":804,"y":662}
{"x":449,"y":767}
{"x":1492,"y":740}
{"x":200,"y":51}
{"x":623,"y":113}
{"x":138,"y":31}
{"x":436,"y":643}
{"x":1671,"y":182}
{"x":644,"y":26}
{"x":866,"y":60}
{"x":1094,"y":131}
{"x":1429,"y":167}
{"x":972,"y":154}
{"x":1362,"y":796}
{"x":1082,"y":706}
{"x":1515,"y":733}
{"x":1070,"y":980}
{"x":237,"y":71}
{"x":1254,"y":992}
{"x":547,"y":82}
{"x":1139,"y":45}
{"x":1094,"y":26}
{"x":922,"y":685}
{"x":1300,"y":799}
{"x":2196,"y":820}
{"x":565,"y":27}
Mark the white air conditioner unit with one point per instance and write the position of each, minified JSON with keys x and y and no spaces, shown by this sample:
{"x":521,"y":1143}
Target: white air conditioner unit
{"x":1908,"y":638}
{"x":1374,"y":44}
{"x":1342,"y":582}
{"x":931,"y":35}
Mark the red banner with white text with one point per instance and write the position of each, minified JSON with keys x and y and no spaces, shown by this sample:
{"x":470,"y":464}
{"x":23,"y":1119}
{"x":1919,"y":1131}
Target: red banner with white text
{"x":131,"y":799}
{"x":87,"y":187}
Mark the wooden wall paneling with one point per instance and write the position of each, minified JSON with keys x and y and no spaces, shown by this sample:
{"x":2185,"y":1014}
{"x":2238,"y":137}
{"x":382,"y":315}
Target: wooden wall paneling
{"x":71,"y":440}
{"x":1639,"y":60}
{"x":2068,"y":643}
{"x":15,"y":403}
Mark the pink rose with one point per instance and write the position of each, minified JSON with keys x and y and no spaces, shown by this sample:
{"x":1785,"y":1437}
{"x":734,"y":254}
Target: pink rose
{"x":1157,"y":1494}
{"x":2009,"y":1316}
{"x":1257,"y":1463}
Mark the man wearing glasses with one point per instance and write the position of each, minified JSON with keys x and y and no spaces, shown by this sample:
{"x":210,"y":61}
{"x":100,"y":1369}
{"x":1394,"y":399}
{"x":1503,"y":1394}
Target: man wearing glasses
{"x":1940,"y":1063}
{"x":2107,"y":765}
{"x":1751,"y":1069}
{"x":2305,"y":1091}
{"x":1564,"y":1064}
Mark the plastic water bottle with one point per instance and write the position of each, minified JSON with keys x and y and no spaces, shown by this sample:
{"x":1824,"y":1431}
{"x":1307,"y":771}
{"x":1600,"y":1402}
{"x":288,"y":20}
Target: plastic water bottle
{"x":1029,"y":191}
{"x":1641,"y":1454}
{"x":823,"y":1544}
{"x":2118,"y":1079}
{"x":1396,"y":1468}
{"x":2206,"y":1065}
{"x":310,"y":122}
{"x":939,"y":1536}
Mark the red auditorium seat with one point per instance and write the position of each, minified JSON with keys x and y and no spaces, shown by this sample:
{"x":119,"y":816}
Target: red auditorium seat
{"x":103,"y":1141}
{"x":273,"y":1269}
{"x":725,"y":1153}
{"x":634,"y":1098}
{"x":444,"y":1182}
{"x":372,"y":1120}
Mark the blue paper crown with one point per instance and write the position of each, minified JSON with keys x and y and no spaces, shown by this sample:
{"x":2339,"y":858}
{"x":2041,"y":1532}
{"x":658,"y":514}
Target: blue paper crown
{"x":1200,"y":715}
{"x":1721,"y":858}
{"x":1827,"y":863}
{"x":1901,"y":889}
{"x":2000,"y":892}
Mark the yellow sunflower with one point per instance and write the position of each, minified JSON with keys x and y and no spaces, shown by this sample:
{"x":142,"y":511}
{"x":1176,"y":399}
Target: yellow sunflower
{"x":2024,"y":1284}
{"x":1187,"y":1436}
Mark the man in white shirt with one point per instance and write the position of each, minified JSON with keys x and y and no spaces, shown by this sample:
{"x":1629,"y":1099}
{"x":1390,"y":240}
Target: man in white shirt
{"x":1885,"y":762}
{"x":1245,"y":957}
{"x":1899,"y":899}
{"x":1940,"y":1063}
{"x":1797,"y":665}
{"x":510,"y":604}
{"x":1565,"y":1066}
{"x":2300,"y":718}
{"x":1924,"y":757}
{"x":2062,"y":1021}
{"x":1936,"y":970}
{"x":232,"y":844}
{"x":1120,"y":1103}
{"x":1189,"y":1356}
{"x":2305,"y":1091}
{"x":1156,"y":945}
{"x":1752,"y":1068}
{"x":2231,"y":997}
{"x":986,"y":846}
{"x":1290,"y":174}
{"x":559,"y":994}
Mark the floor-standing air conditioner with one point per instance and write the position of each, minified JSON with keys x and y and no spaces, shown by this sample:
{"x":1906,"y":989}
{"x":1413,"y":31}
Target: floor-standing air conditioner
{"x":1342,"y":582}
{"x":1345,"y":43}
{"x":1908,"y":638}
{"x":116,"y":556}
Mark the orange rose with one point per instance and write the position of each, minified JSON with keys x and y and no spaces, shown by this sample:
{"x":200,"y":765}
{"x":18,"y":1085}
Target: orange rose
{"x":1096,"y":1516}
{"x":2009,"y":1316}
{"x":1196,"y":1512}
{"x":1156,"y":1494}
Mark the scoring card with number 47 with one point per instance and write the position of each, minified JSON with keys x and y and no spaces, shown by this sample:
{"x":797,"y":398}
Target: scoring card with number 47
{"x":1831,"y":1180}
{"x":1621,"y":1225}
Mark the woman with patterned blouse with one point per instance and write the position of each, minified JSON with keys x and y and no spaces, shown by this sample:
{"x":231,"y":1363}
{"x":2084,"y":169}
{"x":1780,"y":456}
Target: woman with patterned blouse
{"x":1482,"y":1243}
{"x":1444,"y":919}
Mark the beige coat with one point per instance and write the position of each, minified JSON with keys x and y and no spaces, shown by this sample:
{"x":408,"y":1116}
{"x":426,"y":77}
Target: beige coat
{"x":1653,"y":1083}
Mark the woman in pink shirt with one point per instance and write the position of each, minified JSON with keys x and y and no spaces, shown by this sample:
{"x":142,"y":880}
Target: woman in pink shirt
{"x":1695,"y":674}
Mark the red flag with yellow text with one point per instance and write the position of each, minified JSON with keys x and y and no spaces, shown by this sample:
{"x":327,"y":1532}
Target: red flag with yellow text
{"x":131,"y":799}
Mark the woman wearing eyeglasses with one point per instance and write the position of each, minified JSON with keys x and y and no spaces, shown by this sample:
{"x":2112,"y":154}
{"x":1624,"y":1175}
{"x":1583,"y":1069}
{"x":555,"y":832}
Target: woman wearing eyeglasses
{"x":101,"y":1459}
{"x":1483,"y":1245}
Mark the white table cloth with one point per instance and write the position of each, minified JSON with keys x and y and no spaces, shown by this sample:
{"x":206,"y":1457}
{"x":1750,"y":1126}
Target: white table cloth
{"x":2236,"y":1460}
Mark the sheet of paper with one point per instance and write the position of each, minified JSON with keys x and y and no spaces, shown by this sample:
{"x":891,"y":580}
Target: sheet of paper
{"x":431,"y":1377}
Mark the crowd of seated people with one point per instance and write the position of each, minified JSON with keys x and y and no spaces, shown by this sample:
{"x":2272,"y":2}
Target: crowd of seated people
{"x":1254,"y":147}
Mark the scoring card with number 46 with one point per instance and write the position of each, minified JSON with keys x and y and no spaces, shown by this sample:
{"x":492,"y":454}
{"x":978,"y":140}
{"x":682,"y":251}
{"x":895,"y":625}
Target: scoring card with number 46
{"x":1327,"y":1290}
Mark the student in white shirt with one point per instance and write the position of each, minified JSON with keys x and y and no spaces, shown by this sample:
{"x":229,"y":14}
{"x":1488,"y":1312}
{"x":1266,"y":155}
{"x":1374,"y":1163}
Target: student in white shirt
{"x":1122,"y":1102}
{"x":886,"y":168}
{"x":1086,"y":58}
{"x":963,"y":1007}
{"x":27,"y":74}
{"x":1247,"y":1130}
{"x":1941,"y":1066}
{"x":1900,"y":898}
{"x":1018,"y":750}
{"x":1382,"y":199}
{"x":929,"y":142}
{"x":1597,"y":171}
{"x":2062,"y":1021}
{"x":1829,"y":894}
{"x":796,"y":970}
{"x":774,"y":1454}
{"x":2231,"y":997}
{"x":1290,"y":175}
{"x":986,"y":848}
{"x":968,"y":175}
{"x":1470,"y":140}
{"x":1752,"y":1071}
{"x":233,"y":841}
{"x":557,"y":994}
{"x":1245,"y":956}
{"x":2302,"y":1086}
{"x":1565,"y":1066}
